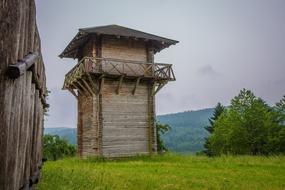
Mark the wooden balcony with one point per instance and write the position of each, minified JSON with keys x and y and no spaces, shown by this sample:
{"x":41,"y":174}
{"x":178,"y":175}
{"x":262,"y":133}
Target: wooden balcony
{"x":107,"y":67}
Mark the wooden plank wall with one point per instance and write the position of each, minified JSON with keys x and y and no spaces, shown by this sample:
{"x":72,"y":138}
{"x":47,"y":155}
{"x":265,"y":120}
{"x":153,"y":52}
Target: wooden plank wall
{"x":125,"y":119}
{"x":88,"y":125}
{"x":122,"y":48}
{"x":21,"y":110}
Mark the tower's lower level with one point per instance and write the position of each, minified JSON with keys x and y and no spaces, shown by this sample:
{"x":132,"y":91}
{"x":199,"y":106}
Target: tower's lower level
{"x":116,"y":105}
{"x":117,"y":122}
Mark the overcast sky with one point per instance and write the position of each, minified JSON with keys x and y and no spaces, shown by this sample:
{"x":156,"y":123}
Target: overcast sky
{"x":225,"y":45}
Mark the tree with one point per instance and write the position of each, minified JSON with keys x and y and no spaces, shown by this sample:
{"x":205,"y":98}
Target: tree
{"x":161,"y":129}
{"x":249,"y":126}
{"x":280,"y":110}
{"x":278,"y":139}
{"x":219,"y":109}
{"x":56,"y":147}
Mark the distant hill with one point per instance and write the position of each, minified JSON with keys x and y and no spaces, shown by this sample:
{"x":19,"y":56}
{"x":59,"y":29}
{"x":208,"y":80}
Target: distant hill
{"x":64,"y":132}
{"x":187,"y":133}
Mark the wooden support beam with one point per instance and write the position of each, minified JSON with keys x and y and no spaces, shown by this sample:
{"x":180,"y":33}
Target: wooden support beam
{"x":137,"y":83}
{"x":120,"y":84}
{"x":83,"y":87}
{"x":173,"y":74}
{"x":160,"y":86}
{"x":153,"y":88}
{"x":18,"y":69}
{"x":101,"y":84}
{"x":91,"y":81}
{"x":88,"y":86}
{"x":72,"y":92}
{"x":78,"y":86}
{"x":102,"y":76}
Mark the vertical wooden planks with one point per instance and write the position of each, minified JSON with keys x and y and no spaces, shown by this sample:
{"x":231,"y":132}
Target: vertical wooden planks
{"x":21,"y":112}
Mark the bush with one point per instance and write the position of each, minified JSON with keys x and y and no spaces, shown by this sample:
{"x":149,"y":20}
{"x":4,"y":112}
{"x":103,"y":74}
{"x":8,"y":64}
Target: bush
{"x":56,"y":147}
{"x":160,"y":130}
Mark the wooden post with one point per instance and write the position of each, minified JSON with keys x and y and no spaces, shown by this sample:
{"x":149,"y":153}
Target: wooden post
{"x":15,"y":70}
{"x":95,"y":89}
{"x":87,"y":86}
{"x":79,"y":127}
{"x":120,"y":84}
{"x":101,"y":84}
{"x":137,"y":83}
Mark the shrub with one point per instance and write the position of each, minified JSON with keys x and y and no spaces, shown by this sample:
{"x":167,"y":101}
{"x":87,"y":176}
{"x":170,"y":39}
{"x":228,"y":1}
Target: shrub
{"x":56,"y":147}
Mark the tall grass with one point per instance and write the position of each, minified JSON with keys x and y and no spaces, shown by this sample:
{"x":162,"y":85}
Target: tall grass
{"x":168,"y":171}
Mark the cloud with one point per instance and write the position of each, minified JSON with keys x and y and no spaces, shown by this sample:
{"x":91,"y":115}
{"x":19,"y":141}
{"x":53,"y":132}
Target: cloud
{"x":208,"y":70}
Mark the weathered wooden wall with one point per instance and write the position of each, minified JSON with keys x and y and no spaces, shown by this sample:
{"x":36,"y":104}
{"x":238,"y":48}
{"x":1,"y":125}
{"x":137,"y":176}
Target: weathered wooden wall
{"x":88,"y":125}
{"x":117,"y":122}
{"x":125,"y":119}
{"x":115,"y":125}
{"x":21,"y":108}
{"x":122,"y":48}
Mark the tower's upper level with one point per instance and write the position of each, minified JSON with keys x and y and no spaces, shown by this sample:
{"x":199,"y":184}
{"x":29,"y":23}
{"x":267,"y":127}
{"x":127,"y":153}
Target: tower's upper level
{"x":116,"y":51}
{"x":127,"y":41}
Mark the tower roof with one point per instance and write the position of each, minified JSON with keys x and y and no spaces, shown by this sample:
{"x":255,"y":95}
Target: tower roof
{"x":84,"y":34}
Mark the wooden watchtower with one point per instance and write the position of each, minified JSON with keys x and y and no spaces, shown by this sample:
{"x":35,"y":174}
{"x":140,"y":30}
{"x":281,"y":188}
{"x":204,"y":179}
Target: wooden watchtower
{"x":115,"y":82}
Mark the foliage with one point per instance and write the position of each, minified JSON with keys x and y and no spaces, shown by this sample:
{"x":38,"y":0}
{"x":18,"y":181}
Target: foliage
{"x":56,"y":147}
{"x":167,"y":171}
{"x":249,"y":126}
{"x":218,"y":111}
{"x":280,"y":111}
{"x":161,"y":129}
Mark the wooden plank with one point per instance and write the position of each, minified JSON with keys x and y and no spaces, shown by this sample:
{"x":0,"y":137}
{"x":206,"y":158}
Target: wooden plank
{"x":120,"y":84}
{"x":160,"y":86}
{"x":101,"y":84}
{"x":85,"y":90}
{"x":136,"y":85}
{"x":94,"y":88}
{"x":88,"y":86}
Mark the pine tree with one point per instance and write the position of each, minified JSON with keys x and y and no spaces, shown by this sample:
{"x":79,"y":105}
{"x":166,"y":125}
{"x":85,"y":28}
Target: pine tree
{"x":219,"y":109}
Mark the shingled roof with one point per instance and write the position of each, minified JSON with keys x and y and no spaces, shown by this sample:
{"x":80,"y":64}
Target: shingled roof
{"x":84,"y":34}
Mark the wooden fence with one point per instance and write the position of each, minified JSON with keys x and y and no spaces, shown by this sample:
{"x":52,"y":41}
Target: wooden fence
{"x":22,"y":95}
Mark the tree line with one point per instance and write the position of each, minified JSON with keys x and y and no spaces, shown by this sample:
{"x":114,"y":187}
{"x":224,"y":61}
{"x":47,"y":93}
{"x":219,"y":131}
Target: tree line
{"x":249,"y":126}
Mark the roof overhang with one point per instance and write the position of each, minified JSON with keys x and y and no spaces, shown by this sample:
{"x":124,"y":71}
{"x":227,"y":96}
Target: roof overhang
{"x":158,"y":43}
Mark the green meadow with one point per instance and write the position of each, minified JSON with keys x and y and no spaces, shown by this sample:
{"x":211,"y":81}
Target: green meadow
{"x":169,"y":171}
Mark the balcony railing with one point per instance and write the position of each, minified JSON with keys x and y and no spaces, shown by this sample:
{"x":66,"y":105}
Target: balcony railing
{"x":119,"y":67}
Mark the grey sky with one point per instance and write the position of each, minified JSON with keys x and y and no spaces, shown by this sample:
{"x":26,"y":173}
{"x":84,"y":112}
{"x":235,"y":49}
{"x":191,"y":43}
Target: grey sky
{"x":225,"y":45}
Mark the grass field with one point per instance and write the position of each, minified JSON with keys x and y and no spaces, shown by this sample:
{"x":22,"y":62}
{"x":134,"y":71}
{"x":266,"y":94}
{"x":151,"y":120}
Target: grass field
{"x":166,"y":172}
